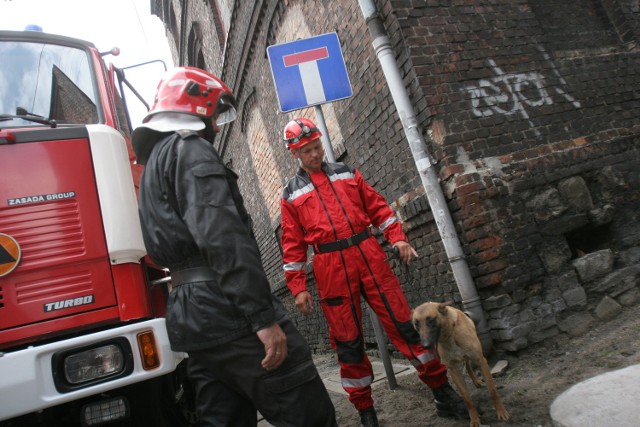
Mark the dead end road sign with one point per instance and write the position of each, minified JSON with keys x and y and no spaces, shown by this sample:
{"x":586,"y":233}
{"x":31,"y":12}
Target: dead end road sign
{"x":309,"y":72}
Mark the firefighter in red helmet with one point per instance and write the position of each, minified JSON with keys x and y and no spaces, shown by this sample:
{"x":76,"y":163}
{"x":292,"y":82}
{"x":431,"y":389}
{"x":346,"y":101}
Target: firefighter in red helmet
{"x":330,"y":207}
{"x":245,"y":354}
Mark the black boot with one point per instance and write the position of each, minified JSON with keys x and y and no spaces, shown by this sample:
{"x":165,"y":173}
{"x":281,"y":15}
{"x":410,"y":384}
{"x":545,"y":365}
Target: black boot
{"x":448,"y":403}
{"x":368,"y":417}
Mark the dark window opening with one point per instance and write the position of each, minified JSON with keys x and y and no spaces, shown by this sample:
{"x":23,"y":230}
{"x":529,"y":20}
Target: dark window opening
{"x":195,"y":55}
{"x":589,"y":239}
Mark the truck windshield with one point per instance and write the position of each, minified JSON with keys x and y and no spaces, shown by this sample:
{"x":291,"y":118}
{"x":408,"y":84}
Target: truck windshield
{"x":48,"y":81}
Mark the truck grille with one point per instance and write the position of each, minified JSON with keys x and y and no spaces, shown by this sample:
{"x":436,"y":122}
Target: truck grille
{"x":48,"y":233}
{"x":63,"y":260}
{"x":53,"y":287}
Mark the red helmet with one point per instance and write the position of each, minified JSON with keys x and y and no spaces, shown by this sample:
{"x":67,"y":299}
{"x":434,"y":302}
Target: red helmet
{"x":190,"y":90}
{"x":299,"y":132}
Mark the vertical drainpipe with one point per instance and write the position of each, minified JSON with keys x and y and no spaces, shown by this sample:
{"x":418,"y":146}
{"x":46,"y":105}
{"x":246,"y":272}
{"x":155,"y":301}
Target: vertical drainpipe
{"x":430,"y":181}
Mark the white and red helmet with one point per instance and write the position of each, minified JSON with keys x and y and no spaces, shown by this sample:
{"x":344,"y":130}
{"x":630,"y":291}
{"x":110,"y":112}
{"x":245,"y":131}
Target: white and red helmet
{"x":299,"y":132}
{"x":187,"y":98}
{"x":190,"y":90}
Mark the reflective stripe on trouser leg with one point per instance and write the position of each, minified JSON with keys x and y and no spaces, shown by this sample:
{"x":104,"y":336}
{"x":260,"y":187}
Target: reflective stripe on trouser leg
{"x":432,"y":373}
{"x":356,"y":380}
{"x":356,"y":372}
{"x":430,"y":370}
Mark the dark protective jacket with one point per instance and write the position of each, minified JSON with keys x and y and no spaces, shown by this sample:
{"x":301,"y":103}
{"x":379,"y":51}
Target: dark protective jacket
{"x":192,"y":215}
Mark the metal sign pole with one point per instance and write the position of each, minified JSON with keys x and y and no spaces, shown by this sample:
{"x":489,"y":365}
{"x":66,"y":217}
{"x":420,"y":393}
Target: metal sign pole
{"x":381,"y":339}
{"x":326,"y":141}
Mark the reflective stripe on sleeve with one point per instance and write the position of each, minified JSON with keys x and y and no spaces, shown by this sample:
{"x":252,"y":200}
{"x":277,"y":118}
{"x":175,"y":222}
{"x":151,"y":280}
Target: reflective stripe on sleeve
{"x":388,"y":222}
{"x":294,"y":266}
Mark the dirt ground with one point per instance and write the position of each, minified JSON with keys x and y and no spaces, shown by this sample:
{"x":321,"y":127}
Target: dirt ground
{"x":533,"y":379}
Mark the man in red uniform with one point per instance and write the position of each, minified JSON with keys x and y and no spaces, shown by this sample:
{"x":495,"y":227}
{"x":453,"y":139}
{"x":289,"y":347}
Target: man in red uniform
{"x":330,"y":207}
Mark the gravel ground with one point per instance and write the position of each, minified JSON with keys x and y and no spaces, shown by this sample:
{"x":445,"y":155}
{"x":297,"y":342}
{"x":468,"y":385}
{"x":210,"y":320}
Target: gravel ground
{"x":533,"y":379}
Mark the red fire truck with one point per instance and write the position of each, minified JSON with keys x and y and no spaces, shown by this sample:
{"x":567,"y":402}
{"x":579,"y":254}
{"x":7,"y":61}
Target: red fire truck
{"x":82,"y":333}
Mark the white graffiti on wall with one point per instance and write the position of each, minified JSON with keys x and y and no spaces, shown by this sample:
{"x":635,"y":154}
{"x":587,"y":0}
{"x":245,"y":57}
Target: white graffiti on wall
{"x":508,"y":93}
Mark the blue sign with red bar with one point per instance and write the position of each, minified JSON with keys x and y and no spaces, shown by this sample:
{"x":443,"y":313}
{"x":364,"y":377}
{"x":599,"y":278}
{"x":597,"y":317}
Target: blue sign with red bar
{"x":309,"y":72}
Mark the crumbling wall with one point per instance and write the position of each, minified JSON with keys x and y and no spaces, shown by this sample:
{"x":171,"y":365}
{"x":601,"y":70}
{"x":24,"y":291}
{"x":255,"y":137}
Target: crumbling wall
{"x":530,"y":110}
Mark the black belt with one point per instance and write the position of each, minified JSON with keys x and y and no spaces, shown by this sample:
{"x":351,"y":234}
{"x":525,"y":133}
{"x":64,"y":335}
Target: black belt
{"x":191,"y":275}
{"x":338,"y":245}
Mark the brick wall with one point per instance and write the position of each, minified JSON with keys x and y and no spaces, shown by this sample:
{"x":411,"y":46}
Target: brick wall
{"x":532,"y":121}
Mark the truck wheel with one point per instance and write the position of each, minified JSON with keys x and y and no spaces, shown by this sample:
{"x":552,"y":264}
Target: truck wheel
{"x":167,"y":401}
{"x":180,"y":397}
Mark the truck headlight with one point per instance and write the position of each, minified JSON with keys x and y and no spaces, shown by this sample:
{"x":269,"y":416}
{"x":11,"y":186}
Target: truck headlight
{"x":93,"y":364}
{"x":83,"y":367}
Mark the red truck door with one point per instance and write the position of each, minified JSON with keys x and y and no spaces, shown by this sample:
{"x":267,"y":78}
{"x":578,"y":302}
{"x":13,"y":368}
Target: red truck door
{"x":49,"y":205}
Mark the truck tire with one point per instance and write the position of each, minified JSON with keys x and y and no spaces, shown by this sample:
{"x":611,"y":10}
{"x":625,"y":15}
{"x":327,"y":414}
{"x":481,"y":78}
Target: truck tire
{"x":167,"y":401}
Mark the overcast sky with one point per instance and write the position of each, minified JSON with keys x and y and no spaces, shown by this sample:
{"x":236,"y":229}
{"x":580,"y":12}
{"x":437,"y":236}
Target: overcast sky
{"x":127,"y":24}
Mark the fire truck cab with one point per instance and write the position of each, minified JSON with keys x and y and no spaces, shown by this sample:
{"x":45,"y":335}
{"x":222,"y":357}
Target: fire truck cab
{"x":82,"y":333}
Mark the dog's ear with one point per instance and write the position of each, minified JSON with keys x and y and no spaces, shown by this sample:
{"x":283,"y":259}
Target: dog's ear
{"x":413,"y":319}
{"x":442,"y":307}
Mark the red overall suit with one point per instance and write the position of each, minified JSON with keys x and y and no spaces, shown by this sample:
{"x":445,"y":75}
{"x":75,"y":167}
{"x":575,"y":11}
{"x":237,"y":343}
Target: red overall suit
{"x":332,"y":211}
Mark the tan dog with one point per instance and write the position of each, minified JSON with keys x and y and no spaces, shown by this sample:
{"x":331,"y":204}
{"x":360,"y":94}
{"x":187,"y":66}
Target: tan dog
{"x":454,"y":335}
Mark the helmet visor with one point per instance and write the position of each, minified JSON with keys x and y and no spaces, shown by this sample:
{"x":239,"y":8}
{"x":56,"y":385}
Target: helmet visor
{"x":226,"y":111}
{"x":227,"y":116}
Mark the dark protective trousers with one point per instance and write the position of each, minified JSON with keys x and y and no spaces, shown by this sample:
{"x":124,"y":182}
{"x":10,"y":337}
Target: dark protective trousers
{"x":344,"y":276}
{"x":231,"y":385}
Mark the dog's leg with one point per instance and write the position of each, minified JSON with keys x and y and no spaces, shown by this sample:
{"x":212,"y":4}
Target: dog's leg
{"x":472,"y":374}
{"x":493,"y":390}
{"x":458,"y":380}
